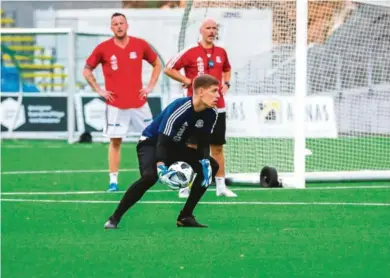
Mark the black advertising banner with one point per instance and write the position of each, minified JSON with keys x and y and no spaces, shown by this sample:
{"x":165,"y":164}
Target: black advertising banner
{"x":155,"y":105}
{"x":93,"y":109}
{"x":39,"y":113}
{"x":36,"y":114}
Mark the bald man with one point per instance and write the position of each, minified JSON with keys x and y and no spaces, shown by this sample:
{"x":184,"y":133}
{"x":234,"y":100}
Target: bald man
{"x":205,"y":57}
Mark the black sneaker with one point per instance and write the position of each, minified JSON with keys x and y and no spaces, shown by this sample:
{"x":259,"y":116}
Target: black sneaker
{"x":189,"y":221}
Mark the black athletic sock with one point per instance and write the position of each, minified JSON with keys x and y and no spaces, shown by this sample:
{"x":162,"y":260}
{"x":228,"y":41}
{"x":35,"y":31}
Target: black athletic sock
{"x":196,"y":193}
{"x":133,"y":194}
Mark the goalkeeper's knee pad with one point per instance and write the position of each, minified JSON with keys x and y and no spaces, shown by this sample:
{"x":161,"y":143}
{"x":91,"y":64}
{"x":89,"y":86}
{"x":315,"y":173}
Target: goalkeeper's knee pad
{"x":269,"y":177}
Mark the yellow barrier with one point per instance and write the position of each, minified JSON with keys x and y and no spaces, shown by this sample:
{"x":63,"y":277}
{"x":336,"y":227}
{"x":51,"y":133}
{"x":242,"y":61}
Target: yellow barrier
{"x":43,"y":75}
{"x":37,"y":66}
{"x":25,"y":47}
{"x":7,"y":58}
{"x":7,"y":20}
{"x":17,"y":39}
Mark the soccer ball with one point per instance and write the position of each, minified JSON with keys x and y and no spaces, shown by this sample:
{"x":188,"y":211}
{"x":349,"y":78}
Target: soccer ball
{"x":184,"y":174}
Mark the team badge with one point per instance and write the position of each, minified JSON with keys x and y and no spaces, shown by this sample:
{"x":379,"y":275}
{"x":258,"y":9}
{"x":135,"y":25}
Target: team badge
{"x":133,"y":55}
{"x":114,"y":62}
{"x":199,"y":123}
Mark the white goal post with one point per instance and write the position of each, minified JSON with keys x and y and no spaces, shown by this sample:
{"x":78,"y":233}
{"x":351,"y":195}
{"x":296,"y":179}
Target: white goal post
{"x":300,"y":93}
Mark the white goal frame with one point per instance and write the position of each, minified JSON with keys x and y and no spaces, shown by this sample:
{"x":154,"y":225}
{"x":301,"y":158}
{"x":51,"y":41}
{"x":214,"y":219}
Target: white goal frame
{"x":299,"y":176}
{"x":71,"y":88}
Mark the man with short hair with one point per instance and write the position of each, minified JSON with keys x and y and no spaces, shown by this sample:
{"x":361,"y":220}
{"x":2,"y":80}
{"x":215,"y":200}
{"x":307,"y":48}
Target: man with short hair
{"x":163,"y":142}
{"x":206,"y":58}
{"x":127,"y":108}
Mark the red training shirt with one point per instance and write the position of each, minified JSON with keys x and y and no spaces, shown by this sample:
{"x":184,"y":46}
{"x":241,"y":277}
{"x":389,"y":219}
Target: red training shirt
{"x":122,"y":69}
{"x":194,"y":60}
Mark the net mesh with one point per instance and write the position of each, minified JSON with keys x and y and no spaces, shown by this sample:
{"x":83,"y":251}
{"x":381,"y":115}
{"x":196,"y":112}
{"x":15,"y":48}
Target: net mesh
{"x":348,"y":60}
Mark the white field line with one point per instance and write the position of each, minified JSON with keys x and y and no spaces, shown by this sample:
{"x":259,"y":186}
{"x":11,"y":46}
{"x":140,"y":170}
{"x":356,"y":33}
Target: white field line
{"x":62,"y":172}
{"x":171,"y":191}
{"x":206,"y":203}
{"x":53,"y":146}
{"x":17,"y":147}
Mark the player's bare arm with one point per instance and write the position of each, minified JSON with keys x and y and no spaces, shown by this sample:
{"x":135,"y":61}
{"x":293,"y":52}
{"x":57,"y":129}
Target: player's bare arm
{"x":90,"y":77}
{"x":226,"y":76}
{"x":176,"y":75}
{"x":153,"y":78}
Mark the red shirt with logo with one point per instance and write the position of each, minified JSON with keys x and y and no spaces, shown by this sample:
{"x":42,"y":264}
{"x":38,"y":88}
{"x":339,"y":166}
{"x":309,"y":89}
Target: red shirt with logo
{"x":122,"y":69}
{"x":195,"y":60}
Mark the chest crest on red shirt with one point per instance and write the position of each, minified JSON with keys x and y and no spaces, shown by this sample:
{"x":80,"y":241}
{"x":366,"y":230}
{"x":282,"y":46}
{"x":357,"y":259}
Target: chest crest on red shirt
{"x":133,"y":55}
{"x":114,"y":62}
{"x":200,"y":66}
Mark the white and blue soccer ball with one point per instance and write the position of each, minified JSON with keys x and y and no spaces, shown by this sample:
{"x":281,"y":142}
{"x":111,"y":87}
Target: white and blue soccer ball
{"x":184,"y":174}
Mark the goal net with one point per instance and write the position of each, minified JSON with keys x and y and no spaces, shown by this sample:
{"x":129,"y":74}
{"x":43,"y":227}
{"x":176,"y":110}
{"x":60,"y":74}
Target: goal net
{"x":346,"y":121}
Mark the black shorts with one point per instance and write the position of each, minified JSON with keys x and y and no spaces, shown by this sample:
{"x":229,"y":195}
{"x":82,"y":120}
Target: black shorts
{"x":218,"y":137}
{"x":146,"y":151}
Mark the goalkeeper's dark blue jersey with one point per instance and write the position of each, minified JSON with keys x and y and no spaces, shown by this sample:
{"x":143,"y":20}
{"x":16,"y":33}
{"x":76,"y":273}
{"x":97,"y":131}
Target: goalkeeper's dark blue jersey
{"x":179,"y":121}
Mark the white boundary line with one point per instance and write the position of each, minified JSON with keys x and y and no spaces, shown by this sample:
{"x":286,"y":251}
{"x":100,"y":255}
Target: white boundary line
{"x":205,"y":203}
{"x":62,"y":172}
{"x":54,"y":146}
{"x":172,"y":191}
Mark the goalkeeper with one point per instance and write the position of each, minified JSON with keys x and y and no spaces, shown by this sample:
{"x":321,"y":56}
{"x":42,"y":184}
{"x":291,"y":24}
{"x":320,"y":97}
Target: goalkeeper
{"x":163,"y":142}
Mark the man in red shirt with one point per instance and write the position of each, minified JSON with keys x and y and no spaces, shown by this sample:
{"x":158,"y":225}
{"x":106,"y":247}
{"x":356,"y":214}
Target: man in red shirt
{"x":127,"y":108}
{"x":206,"y":58}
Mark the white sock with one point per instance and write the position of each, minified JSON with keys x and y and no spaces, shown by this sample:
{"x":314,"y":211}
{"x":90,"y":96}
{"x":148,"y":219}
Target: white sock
{"x":220,"y":183}
{"x":114,"y":177}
